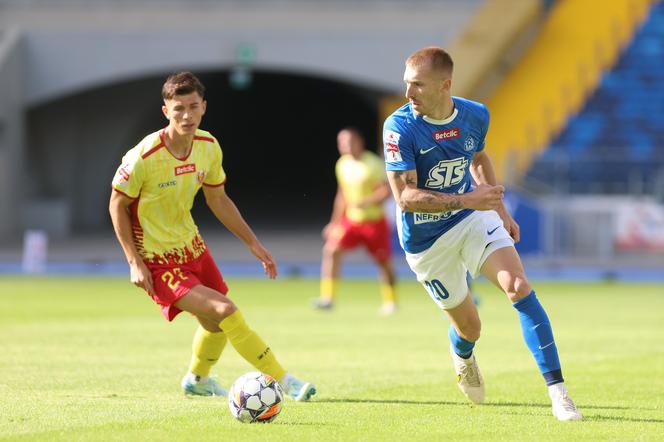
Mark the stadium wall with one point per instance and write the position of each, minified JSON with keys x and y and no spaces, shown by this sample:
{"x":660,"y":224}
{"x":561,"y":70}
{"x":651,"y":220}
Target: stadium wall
{"x":11,"y":131}
{"x":83,"y":50}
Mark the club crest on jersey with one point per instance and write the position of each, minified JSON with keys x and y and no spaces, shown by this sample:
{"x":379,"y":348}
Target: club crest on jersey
{"x":187,"y":168}
{"x":447,"y":173}
{"x":392,"y":152}
{"x":469,"y":144}
{"x":447,"y":134}
{"x":201,"y":176}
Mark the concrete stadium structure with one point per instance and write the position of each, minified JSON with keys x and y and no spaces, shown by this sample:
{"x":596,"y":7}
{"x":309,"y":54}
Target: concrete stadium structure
{"x":65,"y":67}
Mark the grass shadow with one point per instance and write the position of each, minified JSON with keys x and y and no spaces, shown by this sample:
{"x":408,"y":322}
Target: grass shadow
{"x":486,"y":404}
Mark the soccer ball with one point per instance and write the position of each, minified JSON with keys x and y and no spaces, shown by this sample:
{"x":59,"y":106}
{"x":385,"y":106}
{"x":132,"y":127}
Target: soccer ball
{"x":255,"y":397}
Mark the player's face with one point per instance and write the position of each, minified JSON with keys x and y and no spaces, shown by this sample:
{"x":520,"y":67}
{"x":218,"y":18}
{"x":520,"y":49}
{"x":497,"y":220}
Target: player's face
{"x":426,"y":89}
{"x":185,"y":112}
{"x":349,"y":142}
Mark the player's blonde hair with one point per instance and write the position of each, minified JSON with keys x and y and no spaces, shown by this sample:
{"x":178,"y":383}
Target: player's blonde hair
{"x":437,"y":58}
{"x":182,"y":83}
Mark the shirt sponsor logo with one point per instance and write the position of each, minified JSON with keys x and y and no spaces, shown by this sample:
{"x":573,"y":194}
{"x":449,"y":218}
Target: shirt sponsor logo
{"x":167,"y":184}
{"x":187,"y":168}
{"x":447,"y":134}
{"x":423,"y":218}
{"x":447,"y":173}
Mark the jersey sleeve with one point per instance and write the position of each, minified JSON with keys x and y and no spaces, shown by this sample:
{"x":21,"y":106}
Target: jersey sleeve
{"x":216,"y":176}
{"x":485,"y":128}
{"x":398,"y":147}
{"x":128,"y":179}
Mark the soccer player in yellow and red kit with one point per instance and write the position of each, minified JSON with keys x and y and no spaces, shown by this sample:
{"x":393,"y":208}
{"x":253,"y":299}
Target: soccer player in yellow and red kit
{"x":153,"y":192}
{"x":357,"y":219}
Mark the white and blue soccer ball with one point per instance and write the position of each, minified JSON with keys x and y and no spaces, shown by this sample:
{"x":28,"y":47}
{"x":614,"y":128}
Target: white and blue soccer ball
{"x":255,"y":397}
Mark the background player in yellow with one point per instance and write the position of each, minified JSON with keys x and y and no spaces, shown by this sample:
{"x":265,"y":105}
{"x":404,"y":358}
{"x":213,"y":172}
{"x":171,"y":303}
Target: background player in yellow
{"x":357,"y":218}
{"x":153,"y":192}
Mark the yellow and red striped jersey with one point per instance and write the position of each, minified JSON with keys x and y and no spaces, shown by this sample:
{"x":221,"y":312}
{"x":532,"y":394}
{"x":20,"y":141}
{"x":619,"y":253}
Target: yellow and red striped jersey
{"x":164,"y":188}
{"x":358,"y":179}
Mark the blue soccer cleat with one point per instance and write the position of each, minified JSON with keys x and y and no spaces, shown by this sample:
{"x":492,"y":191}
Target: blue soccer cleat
{"x":296,"y":389}
{"x":202,"y":386}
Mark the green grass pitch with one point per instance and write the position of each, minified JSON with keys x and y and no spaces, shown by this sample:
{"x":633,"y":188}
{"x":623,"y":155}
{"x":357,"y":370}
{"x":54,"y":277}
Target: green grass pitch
{"x":92,"y":359}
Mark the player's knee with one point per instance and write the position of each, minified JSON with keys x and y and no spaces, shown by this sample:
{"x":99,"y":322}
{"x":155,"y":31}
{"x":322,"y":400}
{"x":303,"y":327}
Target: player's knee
{"x":518,"y":288}
{"x":222,"y":310}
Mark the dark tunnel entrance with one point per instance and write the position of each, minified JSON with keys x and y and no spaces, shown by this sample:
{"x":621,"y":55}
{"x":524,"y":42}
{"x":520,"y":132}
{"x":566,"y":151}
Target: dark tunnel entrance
{"x":279,"y":140}
{"x":278,"y":135}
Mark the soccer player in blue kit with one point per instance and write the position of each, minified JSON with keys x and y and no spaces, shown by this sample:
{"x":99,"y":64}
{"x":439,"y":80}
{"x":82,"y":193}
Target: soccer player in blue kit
{"x":433,"y":144}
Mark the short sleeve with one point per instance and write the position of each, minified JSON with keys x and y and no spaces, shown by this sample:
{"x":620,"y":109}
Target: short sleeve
{"x":129,"y":177}
{"x":398,"y":148}
{"x":216,"y":176}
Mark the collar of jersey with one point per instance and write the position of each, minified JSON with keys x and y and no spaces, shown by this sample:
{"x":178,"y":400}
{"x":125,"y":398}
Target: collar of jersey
{"x":447,"y":120}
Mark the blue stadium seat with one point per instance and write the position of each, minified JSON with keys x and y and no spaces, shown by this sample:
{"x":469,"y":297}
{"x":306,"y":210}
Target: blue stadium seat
{"x":619,"y":134}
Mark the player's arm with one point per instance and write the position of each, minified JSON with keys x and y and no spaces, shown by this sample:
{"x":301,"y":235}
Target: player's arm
{"x":410,"y":198}
{"x":119,"y":209}
{"x":338,"y":210}
{"x":339,"y":206}
{"x":481,"y":168}
{"x":228,"y":214}
{"x":380,"y":193}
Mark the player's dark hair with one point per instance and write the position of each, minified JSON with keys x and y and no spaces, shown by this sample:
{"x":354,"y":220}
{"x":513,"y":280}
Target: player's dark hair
{"x":433,"y":56}
{"x":356,"y":131}
{"x":182,"y":83}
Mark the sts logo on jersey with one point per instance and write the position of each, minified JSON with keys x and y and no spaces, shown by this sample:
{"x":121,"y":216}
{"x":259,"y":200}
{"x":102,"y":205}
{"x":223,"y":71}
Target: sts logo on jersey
{"x":447,"y":173}
{"x":391,"y":139}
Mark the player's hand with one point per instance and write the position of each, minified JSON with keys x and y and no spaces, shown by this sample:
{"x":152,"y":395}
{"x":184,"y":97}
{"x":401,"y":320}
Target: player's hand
{"x":327,"y":230}
{"x":485,"y":197}
{"x":141,"y":276}
{"x":269,"y":265}
{"x":510,"y":224}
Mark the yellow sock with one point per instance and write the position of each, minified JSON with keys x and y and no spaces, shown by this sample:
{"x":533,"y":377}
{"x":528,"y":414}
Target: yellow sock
{"x":388,"y":293}
{"x":328,"y":288}
{"x":206,"y":349}
{"x":250,"y":346}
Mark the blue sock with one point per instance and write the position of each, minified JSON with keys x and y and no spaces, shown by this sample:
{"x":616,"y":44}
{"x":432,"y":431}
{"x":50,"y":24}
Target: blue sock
{"x":538,"y":335}
{"x":461,"y":347}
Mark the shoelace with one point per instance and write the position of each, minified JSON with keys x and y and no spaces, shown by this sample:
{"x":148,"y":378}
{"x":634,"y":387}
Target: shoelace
{"x":469,"y":375}
{"x":294,"y":387}
{"x":568,"y":404}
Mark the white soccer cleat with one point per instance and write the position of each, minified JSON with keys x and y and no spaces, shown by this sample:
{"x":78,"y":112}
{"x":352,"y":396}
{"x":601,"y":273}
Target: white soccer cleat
{"x":388,"y":308}
{"x":202,"y":386}
{"x":323,"y":304}
{"x":296,"y":389}
{"x":469,"y":378}
{"x":562,"y":406}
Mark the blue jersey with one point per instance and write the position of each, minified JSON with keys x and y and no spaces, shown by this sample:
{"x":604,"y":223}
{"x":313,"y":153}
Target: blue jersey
{"x":441,"y":152}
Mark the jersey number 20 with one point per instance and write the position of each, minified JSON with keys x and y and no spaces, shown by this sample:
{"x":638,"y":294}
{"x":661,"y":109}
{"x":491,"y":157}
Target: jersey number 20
{"x":436,"y":289}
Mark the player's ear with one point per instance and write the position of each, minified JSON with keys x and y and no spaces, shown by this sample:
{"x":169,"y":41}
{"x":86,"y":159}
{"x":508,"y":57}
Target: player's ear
{"x":447,"y":84}
{"x":204,"y":106}
{"x":164,"y":109}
